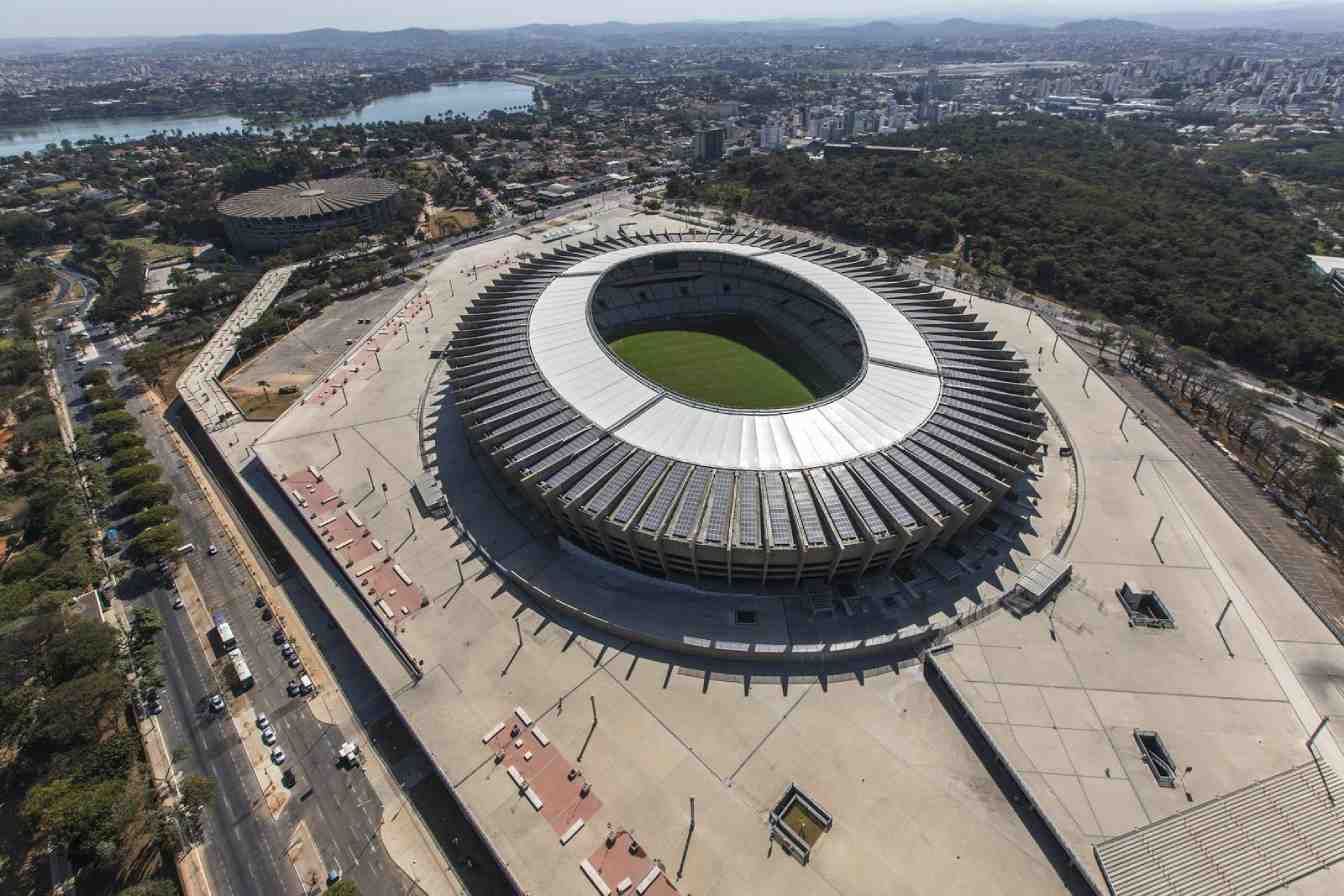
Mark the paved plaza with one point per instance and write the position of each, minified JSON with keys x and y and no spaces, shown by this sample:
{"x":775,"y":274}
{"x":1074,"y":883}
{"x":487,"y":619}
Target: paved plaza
{"x":918,"y":802}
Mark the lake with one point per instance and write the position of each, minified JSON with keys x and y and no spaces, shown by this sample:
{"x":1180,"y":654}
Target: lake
{"x":470,"y":98}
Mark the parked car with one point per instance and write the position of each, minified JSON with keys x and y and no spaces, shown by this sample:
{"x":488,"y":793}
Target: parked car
{"x":212,"y":550}
{"x":216,"y":703}
{"x":279,"y":636}
{"x":178,"y":603}
{"x":278,"y":756}
{"x":288,"y":778}
{"x":268,"y":736}
{"x":292,"y":688}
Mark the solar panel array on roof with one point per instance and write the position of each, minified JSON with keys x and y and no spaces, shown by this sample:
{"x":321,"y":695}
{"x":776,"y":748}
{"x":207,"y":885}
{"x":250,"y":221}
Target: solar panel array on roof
{"x":618,"y":481}
{"x":563,"y":419}
{"x":577,"y":464}
{"x":965,"y":453}
{"x":872,"y":520}
{"x":554,"y":447}
{"x":808,"y":519}
{"x":688,"y":514}
{"x":655,"y":518}
{"x":872,"y":469}
{"x":834,"y":507}
{"x":935,"y":463}
{"x":639,"y":491}
{"x":777,"y":509}
{"x":525,"y":414}
{"x":715,"y":530}
{"x":748,"y":515}
{"x":925,"y":481}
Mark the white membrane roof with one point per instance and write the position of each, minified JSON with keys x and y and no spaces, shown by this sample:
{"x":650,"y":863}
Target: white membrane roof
{"x":896,"y":391}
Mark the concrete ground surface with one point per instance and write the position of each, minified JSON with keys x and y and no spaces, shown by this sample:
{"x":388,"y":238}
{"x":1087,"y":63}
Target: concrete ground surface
{"x":1061,"y":693}
{"x":877,"y":749}
{"x":917,"y":802}
{"x":1303,"y":562}
{"x":320,"y":340}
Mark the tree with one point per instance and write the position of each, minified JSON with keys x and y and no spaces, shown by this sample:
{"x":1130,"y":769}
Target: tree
{"x":1327,"y":419}
{"x":126,"y":479}
{"x":146,"y":495}
{"x":114,"y":421}
{"x":151,"y":888}
{"x":154,"y":544}
{"x":154,"y":516}
{"x":1322,"y":475}
{"x":148,"y":361}
{"x":343,"y":888}
{"x":85,"y":646}
{"x":129,"y":457}
{"x":123,"y":440}
{"x":1289,"y":451}
{"x":198,"y":792}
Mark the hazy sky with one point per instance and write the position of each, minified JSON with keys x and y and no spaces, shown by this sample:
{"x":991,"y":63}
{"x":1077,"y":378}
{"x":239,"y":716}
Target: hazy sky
{"x":109,"y":18}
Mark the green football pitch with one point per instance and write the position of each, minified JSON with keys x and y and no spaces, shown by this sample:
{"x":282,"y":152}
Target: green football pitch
{"x":712,"y":368}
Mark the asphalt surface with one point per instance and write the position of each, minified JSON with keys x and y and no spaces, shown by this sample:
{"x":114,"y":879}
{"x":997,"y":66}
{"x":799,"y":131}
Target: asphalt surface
{"x":245,"y":849}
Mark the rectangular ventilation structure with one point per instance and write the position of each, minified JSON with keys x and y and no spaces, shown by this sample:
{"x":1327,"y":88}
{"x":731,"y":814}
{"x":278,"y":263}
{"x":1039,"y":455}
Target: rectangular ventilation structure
{"x":1156,"y":755}
{"x":1145,"y":607}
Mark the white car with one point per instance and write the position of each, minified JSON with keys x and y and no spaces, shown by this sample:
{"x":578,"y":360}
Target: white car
{"x":278,"y":756}
{"x":212,"y":551}
{"x":216,"y":703}
{"x":178,"y":603}
{"x":262,"y":721}
{"x":268,"y":736}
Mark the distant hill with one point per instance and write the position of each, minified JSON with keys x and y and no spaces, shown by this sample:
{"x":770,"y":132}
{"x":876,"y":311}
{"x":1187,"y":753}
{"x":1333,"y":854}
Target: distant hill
{"x":614,"y":35}
{"x":1118,"y":27}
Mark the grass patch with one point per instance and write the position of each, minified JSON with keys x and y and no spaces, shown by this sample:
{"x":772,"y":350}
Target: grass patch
{"x":714,"y":368}
{"x":69,"y":186}
{"x":154,"y":250}
{"x":256,"y":405}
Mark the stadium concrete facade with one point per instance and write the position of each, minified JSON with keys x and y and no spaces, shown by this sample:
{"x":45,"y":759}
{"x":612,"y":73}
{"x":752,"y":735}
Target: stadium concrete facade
{"x":925,"y":422}
{"x":272,"y":218}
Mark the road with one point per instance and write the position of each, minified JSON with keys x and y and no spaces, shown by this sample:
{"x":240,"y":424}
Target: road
{"x":245,"y":849}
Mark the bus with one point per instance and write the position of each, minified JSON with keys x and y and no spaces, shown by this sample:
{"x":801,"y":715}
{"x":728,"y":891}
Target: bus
{"x":241,"y":674}
{"x":224,"y":632}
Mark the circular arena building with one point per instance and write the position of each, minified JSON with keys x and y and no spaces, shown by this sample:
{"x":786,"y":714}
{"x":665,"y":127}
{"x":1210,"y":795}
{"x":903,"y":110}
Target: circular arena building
{"x":752,"y":409}
{"x":271,"y":218}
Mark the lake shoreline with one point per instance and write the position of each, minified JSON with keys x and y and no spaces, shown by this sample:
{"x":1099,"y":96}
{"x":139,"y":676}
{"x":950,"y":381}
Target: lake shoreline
{"x":471,"y":98}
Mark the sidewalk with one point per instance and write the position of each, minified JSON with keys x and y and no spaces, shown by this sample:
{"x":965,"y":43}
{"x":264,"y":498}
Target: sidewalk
{"x":408,"y":841}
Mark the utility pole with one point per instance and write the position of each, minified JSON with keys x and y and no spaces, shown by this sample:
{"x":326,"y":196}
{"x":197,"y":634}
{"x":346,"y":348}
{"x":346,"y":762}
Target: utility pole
{"x":1325,"y":720}
{"x":1219,"y":626}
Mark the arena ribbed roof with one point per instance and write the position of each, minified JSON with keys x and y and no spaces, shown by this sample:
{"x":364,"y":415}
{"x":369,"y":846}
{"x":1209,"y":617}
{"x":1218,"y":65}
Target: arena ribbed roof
{"x":933,"y":421}
{"x":308,"y":198}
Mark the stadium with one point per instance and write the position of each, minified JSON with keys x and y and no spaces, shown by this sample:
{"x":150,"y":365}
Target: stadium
{"x":272,"y":218}
{"x":753,"y":410}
